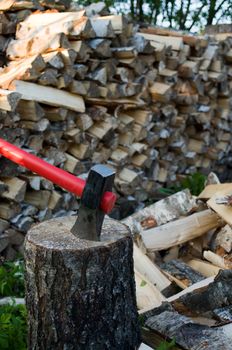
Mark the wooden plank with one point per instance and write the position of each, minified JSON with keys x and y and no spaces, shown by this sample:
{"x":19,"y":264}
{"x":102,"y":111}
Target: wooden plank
{"x":192,"y":40}
{"x":39,"y":199}
{"x":224,"y":211}
{"x":95,"y":9}
{"x":211,"y":190}
{"x":224,"y":238}
{"x":81,"y":48}
{"x":30,"y":110}
{"x":82,"y":29}
{"x":161,"y":92}
{"x":35,"y":45}
{"x":148,"y":269}
{"x":73,"y":165}
{"x":102,"y":27}
{"x":222,"y":36}
{"x":130,"y":102}
{"x":118,"y":22}
{"x":55,"y":201}
{"x":146,"y":293}
{"x":54,"y":26}
{"x":9,"y":100}
{"x":188,"y":69}
{"x":141,"y":116}
{"x":16,"y":189}
{"x":144,"y":347}
{"x":217,"y":260}
{"x":180,"y":231}
{"x":25,"y":5}
{"x":190,"y":289}
{"x":6,"y":4}
{"x":182,"y":272}
{"x":9,"y":209}
{"x":196,"y":286}
{"x":26,"y":69}
{"x":204,"y":267}
{"x":49,"y":96}
{"x":80,"y":151}
{"x":124,"y":52}
{"x":54,"y":20}
{"x":175,"y":42}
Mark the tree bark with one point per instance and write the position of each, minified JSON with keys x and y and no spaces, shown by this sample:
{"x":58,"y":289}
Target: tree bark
{"x":187,"y":333}
{"x":216,"y":295}
{"x":80,"y":294}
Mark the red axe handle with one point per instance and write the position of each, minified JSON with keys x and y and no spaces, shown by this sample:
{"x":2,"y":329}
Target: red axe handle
{"x":58,"y":176}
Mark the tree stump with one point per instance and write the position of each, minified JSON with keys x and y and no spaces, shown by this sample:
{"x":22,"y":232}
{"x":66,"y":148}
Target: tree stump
{"x":80,"y":294}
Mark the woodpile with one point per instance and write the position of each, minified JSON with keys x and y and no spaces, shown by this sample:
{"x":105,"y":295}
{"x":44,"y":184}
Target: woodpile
{"x":183,"y":264}
{"x":79,"y":90}
{"x":12,"y":12}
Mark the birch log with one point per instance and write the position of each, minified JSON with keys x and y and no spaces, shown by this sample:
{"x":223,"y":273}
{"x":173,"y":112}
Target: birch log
{"x":189,"y":334}
{"x":215,"y":295}
{"x":80,"y":294}
{"x":180,"y":231}
{"x":163,"y":211}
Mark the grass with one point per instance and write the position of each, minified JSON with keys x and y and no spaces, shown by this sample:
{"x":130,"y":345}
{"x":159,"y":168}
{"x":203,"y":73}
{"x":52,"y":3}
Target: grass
{"x":13,"y":324}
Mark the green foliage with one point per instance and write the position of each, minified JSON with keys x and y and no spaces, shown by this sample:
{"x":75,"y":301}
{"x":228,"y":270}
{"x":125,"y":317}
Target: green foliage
{"x":13,"y":328}
{"x":195,"y":183}
{"x":166,"y":346}
{"x":12,"y":278}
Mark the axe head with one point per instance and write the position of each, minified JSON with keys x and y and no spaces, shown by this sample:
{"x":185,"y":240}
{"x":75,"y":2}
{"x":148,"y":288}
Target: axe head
{"x":90,"y":216}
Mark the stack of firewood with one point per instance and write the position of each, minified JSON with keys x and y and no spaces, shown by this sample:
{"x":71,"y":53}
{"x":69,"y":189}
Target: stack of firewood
{"x":13,"y":12}
{"x":81,"y":90}
{"x":183,"y":262}
{"x":183,"y":267}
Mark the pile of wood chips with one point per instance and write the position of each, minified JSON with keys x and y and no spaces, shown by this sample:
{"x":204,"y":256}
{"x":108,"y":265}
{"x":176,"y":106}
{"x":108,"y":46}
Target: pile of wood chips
{"x":183,"y":266}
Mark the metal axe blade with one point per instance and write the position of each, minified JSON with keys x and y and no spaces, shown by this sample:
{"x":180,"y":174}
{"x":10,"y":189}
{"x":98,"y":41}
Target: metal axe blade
{"x":90,"y":216}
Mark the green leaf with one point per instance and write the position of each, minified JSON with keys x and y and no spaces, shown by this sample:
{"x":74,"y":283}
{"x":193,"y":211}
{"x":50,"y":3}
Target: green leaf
{"x":143,"y":283}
